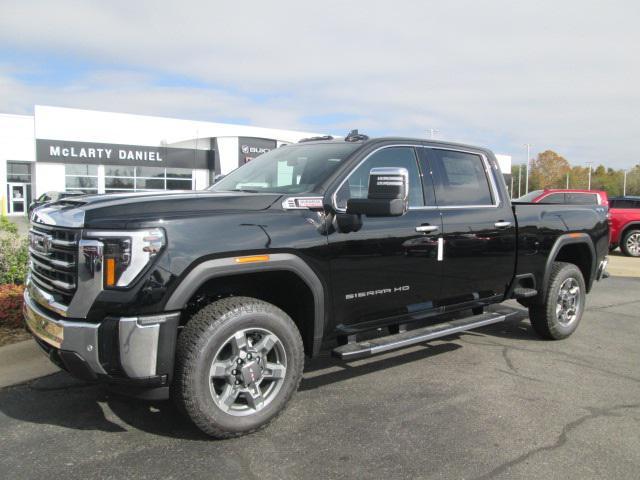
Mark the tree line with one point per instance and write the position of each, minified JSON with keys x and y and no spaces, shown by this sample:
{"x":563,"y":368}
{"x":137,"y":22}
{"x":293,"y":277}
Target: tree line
{"x":551,"y":170}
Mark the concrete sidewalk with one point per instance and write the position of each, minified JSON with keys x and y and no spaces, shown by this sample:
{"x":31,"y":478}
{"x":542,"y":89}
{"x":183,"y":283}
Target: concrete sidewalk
{"x":621,"y":266}
{"x":23,"y":361}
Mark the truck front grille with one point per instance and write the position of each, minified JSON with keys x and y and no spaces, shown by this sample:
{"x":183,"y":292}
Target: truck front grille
{"x":53,"y":252}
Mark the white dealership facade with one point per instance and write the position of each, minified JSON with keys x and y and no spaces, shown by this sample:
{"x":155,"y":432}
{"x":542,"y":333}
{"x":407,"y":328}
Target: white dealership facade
{"x":65,"y":149}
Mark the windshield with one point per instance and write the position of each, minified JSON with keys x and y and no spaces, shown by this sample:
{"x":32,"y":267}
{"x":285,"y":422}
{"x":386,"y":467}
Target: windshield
{"x":529,"y":197}
{"x":290,"y":169}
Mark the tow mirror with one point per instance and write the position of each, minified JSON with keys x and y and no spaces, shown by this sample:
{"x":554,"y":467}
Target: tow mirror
{"x":388,"y":194}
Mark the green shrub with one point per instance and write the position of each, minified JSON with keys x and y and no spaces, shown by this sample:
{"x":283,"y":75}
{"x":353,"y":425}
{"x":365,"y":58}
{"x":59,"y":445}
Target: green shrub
{"x":7,"y":226}
{"x":14,"y":254}
{"x":11,"y":305}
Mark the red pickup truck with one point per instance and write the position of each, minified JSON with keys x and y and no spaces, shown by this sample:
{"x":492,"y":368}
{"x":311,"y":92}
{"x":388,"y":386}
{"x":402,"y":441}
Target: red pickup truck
{"x":624,"y":213}
{"x":624,"y":224}
{"x":567,"y":197}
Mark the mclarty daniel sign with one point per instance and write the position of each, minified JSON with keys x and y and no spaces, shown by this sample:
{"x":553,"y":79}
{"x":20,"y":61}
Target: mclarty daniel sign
{"x":59,"y":151}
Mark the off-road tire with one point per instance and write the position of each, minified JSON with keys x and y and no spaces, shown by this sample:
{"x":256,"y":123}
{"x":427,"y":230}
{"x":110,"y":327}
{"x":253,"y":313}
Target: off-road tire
{"x":623,"y":244}
{"x":543,"y":317}
{"x":203,"y":335}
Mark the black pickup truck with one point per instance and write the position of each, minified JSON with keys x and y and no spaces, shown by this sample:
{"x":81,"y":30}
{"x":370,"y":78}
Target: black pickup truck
{"x":215,"y":297}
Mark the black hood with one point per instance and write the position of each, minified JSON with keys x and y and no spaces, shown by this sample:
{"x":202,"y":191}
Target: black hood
{"x":114,"y":209}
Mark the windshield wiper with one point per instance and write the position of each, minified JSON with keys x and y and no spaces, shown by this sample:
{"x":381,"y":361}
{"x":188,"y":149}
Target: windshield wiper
{"x":244,"y":190}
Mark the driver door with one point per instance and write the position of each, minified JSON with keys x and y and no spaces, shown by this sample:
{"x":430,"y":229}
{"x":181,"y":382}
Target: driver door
{"x":389,"y":269}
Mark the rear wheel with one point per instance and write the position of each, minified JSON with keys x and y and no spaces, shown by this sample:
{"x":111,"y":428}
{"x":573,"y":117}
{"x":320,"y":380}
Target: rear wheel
{"x":630,"y":244}
{"x":562,"y":311}
{"x":239,"y":361}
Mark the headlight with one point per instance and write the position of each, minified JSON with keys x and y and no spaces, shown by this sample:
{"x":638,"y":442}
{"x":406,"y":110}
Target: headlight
{"x":126,"y":254}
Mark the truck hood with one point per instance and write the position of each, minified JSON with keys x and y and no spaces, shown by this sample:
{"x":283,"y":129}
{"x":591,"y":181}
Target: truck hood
{"x":114,"y":209}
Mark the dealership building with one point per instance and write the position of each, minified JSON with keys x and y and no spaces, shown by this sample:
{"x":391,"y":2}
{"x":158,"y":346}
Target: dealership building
{"x":65,"y":149}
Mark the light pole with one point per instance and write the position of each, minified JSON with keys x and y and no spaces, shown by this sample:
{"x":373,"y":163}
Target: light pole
{"x":519,"y":180}
{"x":589,"y":163}
{"x":567,"y":180}
{"x":528,"y":145}
{"x":624,"y":184}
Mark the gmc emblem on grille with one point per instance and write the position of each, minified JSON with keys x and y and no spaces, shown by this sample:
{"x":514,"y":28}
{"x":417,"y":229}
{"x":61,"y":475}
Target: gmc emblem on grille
{"x":41,"y":243}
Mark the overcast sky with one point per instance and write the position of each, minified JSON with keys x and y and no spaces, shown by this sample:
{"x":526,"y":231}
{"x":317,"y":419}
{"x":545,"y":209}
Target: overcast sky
{"x":561,"y":75}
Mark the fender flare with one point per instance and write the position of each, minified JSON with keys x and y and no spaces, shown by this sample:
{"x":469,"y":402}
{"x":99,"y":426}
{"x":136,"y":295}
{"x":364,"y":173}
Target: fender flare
{"x":561,"y":241}
{"x":220,"y":267}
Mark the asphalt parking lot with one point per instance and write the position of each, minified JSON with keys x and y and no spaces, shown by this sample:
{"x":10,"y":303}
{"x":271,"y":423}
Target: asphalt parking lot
{"x":494,"y":403}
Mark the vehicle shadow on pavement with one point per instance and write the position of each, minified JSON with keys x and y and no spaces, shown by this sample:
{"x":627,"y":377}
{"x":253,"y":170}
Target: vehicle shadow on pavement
{"x":60,"y":400}
{"x":338,"y":370}
{"x":63,"y":401}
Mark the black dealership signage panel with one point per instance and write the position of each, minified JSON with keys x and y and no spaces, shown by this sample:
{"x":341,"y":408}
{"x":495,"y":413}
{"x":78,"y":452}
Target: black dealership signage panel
{"x":61,"y":151}
{"x":250,"y":147}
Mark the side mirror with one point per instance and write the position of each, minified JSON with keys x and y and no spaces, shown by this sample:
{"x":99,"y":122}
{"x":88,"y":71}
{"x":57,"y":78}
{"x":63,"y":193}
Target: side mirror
{"x":388,"y":194}
{"x":217,"y":178}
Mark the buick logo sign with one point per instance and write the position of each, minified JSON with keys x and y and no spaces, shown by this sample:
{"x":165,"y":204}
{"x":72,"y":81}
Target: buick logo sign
{"x":246,"y":149}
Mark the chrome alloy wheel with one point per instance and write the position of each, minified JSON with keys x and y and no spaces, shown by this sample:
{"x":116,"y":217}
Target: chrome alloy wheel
{"x":247,"y":371}
{"x":633,"y":244}
{"x":568,"y":301}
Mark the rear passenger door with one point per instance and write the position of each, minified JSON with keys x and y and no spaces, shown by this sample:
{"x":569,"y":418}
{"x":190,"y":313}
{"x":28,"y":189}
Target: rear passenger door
{"x":479,"y":232}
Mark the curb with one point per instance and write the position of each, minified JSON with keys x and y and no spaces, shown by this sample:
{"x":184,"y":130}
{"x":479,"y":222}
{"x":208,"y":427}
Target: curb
{"x":23,"y":361}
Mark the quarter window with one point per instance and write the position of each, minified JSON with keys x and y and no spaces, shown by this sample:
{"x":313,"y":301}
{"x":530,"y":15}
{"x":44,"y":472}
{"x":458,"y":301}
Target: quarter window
{"x":357,"y":184}
{"x":460,"y":179}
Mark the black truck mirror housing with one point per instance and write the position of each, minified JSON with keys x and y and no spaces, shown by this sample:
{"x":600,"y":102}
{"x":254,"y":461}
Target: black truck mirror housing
{"x":388,"y":194}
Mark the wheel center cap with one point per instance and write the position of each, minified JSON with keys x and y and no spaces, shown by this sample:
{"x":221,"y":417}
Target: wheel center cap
{"x":251,"y":373}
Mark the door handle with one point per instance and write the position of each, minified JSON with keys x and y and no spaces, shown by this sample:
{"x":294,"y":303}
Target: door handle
{"x":502,"y":224}
{"x":427,"y":228}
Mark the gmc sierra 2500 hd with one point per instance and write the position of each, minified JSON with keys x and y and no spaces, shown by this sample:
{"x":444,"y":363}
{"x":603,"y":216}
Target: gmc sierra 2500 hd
{"x":216,"y":296}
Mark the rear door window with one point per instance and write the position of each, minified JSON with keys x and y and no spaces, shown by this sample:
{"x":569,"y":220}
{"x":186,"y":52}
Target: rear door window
{"x":582,"y":198}
{"x":554,"y":198}
{"x":460,"y":179}
{"x":624,"y":203}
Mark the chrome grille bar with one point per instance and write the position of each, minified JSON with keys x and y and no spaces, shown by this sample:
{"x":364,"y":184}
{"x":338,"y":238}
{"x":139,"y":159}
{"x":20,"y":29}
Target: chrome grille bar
{"x":53,"y":252}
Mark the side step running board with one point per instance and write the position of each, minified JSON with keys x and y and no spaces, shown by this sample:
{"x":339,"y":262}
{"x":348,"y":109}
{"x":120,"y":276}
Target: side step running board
{"x":521,"y":292}
{"x":384,"y":344}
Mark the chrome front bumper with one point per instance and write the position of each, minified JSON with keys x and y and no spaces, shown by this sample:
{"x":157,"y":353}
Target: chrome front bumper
{"x":138,"y":339}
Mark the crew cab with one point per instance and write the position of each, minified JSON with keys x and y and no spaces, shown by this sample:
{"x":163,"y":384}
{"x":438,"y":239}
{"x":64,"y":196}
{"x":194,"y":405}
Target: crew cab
{"x":624,"y":215}
{"x":215,"y":297}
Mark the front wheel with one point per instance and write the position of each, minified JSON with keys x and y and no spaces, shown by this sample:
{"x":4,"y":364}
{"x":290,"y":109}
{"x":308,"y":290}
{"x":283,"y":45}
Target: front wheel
{"x":239,"y":361}
{"x":630,"y":244}
{"x":562,"y":311}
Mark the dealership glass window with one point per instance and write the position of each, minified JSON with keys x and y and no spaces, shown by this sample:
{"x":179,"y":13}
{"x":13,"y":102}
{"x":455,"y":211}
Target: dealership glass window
{"x":81,"y":178}
{"x":18,"y":172}
{"x":118,"y":179}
